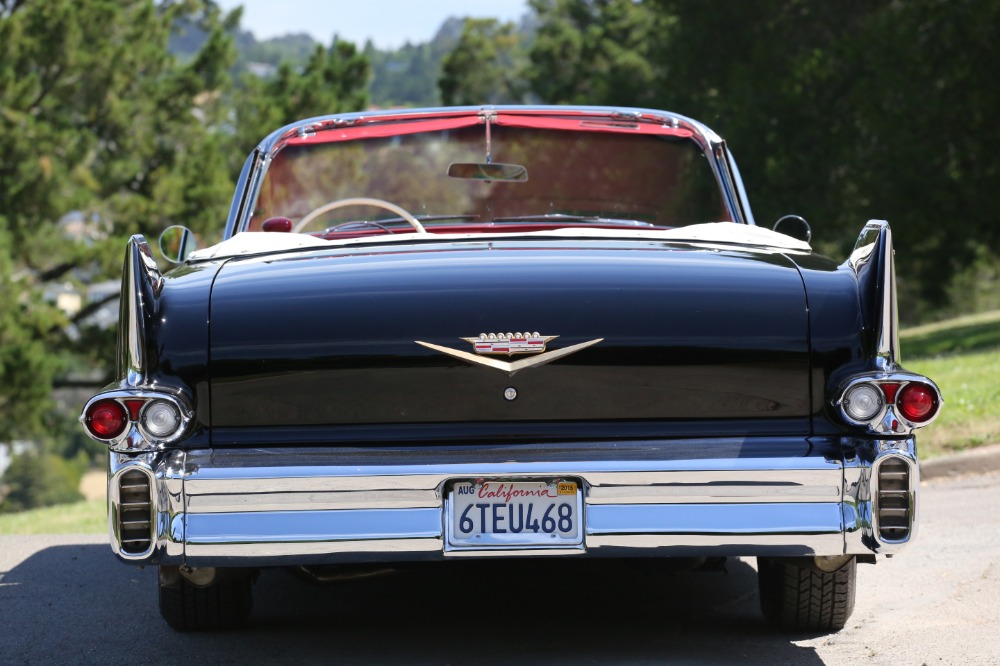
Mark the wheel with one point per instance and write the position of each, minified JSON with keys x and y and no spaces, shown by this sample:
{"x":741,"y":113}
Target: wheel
{"x":797,"y":596}
{"x":359,"y":201}
{"x":224,"y":603}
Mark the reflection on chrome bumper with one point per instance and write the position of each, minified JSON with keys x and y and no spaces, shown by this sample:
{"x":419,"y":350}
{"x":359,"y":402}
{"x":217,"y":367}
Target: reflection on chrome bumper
{"x":718,"y":497}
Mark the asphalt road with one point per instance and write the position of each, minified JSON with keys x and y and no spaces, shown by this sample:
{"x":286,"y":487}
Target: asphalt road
{"x":66,"y":600}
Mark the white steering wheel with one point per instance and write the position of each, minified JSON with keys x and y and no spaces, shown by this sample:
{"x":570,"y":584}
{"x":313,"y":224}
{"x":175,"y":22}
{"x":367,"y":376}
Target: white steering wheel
{"x":359,"y":201}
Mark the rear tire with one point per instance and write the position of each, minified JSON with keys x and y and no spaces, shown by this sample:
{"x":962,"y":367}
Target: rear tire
{"x":225,"y":603}
{"x":796,"y":596}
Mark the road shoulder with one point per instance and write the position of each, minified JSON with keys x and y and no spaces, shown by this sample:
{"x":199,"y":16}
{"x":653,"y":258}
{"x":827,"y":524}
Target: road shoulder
{"x":982,"y":460}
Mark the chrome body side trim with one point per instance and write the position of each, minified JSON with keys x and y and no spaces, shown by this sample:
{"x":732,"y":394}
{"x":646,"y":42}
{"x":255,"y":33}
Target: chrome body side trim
{"x":306,"y":506}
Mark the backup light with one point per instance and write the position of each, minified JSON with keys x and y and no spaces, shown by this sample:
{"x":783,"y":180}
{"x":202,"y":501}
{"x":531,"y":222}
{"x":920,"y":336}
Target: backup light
{"x":160,"y":418}
{"x":863,"y":402}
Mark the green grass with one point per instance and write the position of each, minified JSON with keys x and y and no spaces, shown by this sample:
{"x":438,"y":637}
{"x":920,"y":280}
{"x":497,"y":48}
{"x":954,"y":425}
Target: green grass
{"x":963,"y":357}
{"x":970,"y":384}
{"x":79,"y":518}
{"x":963,"y":334}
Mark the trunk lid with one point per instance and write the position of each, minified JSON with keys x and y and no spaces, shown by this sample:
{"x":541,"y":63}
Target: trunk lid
{"x":687,"y":333}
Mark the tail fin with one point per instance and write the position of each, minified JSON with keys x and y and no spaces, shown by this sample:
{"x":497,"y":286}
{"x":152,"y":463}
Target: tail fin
{"x":873,"y":262}
{"x":141,"y":286}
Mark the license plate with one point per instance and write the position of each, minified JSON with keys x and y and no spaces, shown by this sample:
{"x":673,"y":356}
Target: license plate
{"x":514,"y":514}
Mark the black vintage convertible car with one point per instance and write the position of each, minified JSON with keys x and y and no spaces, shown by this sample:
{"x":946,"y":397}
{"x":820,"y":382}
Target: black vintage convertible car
{"x":507,"y":331}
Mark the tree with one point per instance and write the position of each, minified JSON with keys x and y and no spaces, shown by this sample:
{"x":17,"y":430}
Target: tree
{"x":924,"y":146}
{"x":841,"y":111}
{"x":485,"y":67}
{"x":98,"y":119}
{"x":404,"y":77}
{"x":99,"y":122}
{"x":854,"y":110}
{"x":596,"y":52}
{"x":333,"y":81}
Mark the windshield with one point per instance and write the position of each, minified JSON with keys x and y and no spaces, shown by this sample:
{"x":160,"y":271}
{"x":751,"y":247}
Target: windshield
{"x":442,"y":177}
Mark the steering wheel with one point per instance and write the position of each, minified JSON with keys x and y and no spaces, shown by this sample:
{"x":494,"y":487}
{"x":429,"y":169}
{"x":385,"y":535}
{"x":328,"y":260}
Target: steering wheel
{"x":359,"y":201}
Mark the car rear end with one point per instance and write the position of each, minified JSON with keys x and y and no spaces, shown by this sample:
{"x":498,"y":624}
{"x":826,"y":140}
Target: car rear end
{"x":578,"y":392}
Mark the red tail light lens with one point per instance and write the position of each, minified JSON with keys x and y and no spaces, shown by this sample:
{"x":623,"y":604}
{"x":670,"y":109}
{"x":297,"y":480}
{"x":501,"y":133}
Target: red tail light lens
{"x":917,"y":402}
{"x":133,"y":407}
{"x":106,"y":419}
{"x":889,"y":389}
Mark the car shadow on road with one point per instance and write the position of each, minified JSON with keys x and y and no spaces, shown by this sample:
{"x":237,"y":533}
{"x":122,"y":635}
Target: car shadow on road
{"x":78,"y":603}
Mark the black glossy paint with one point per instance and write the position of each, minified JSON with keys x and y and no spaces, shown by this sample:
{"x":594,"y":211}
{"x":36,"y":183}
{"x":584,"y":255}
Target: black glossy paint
{"x":845,"y":316}
{"x":839,"y":335}
{"x":694,"y":339}
{"x":176,"y":324}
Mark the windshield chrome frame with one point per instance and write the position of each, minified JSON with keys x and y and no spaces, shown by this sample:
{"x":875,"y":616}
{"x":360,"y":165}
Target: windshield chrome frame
{"x":720,"y":160}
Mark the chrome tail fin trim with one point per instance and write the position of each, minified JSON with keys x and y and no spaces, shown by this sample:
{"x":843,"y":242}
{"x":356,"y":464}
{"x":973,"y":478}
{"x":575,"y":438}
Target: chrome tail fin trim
{"x":141,"y":286}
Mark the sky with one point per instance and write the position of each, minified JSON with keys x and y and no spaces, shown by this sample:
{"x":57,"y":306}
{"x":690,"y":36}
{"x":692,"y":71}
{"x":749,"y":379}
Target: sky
{"x":388,"y":23}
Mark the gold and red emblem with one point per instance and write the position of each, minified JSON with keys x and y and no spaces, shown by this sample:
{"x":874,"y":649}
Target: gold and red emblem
{"x":510,"y":343}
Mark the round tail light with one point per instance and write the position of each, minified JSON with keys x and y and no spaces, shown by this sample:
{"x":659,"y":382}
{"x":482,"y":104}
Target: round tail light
{"x":917,"y":402}
{"x":106,"y":419}
{"x":863,"y":402}
{"x":160,"y":418}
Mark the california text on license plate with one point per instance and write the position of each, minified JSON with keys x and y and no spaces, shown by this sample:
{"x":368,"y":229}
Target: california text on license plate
{"x":535,"y":514}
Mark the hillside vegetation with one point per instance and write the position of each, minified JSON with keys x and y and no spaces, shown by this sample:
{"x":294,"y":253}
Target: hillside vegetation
{"x":963,"y":357}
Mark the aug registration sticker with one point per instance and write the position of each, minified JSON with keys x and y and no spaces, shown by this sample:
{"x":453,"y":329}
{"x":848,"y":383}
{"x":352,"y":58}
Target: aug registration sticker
{"x":531,"y":514}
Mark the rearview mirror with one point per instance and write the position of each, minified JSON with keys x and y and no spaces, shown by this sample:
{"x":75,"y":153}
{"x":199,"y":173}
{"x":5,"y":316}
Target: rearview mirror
{"x":176,"y":243}
{"x":507,"y":173}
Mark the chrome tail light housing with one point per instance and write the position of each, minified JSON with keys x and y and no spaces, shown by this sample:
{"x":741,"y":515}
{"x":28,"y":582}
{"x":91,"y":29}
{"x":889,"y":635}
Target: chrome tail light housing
{"x":134,"y":420}
{"x":889,"y":404}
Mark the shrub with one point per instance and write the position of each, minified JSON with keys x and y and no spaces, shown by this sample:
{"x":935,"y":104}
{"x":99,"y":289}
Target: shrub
{"x":41,"y":479}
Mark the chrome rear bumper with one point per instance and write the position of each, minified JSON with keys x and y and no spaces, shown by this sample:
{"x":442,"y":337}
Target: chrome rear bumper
{"x":265,"y":507}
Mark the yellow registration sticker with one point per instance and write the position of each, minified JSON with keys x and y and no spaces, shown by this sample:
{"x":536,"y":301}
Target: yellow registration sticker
{"x":567,"y":488}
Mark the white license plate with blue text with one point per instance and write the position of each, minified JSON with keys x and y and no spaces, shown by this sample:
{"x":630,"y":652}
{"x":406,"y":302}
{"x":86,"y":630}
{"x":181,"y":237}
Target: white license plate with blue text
{"x":515,"y":514}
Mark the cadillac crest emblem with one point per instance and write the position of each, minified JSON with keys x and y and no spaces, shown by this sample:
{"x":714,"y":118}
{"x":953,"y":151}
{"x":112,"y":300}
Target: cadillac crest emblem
{"x":488,"y":344}
{"x":510,"y":343}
